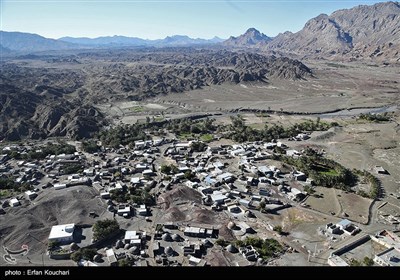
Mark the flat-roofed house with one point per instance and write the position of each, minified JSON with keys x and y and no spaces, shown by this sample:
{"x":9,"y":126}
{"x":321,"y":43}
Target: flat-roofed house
{"x":14,"y":202}
{"x":62,"y":233}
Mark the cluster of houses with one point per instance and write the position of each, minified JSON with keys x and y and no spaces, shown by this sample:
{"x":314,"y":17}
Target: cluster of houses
{"x":233,"y":178}
{"x":224,"y":186}
{"x":136,"y":169}
{"x":169,"y":239}
{"x":193,"y":244}
{"x":40,"y":173}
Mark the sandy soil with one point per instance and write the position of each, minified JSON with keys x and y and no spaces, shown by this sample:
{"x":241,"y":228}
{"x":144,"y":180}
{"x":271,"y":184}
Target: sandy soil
{"x":332,"y":88}
{"x":326,"y":202}
{"x":51,"y":207}
{"x":355,"y":206}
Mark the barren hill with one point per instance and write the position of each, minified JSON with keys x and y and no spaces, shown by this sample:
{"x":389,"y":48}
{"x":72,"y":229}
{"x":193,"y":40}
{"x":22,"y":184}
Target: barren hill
{"x":33,"y":104}
{"x":361,"y":32}
{"x":53,"y":95}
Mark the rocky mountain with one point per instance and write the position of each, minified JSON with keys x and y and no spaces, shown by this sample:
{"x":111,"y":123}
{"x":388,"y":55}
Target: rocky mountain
{"x":106,"y":41}
{"x":33,"y":104}
{"x":180,"y":70}
{"x":252,"y":37}
{"x":27,"y":115}
{"x":56,"y":95}
{"x":26,"y":42}
{"x":183,"y":40}
{"x":361,"y":32}
{"x":176,"y":40}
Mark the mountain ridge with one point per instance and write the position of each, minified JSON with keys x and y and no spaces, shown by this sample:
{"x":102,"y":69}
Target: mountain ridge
{"x":251,"y":37}
{"x":26,"y":42}
{"x":364,"y":31}
{"x":361,"y":32}
{"x":29,"y":42}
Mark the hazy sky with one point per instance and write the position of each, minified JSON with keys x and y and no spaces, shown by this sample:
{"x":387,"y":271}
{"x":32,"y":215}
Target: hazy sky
{"x":158,"y":19}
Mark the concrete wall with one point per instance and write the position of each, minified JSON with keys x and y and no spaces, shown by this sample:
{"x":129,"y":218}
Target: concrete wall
{"x":351,"y":246}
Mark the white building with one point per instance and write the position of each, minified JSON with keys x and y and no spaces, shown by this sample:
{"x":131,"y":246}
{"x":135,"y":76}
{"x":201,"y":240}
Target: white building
{"x":124,"y":210}
{"x":135,"y":180}
{"x":30,"y":195}
{"x":131,"y":235}
{"x":348,"y":227}
{"x":142,"y":210}
{"x":14,"y":202}
{"x":62,"y":233}
{"x":111,"y":256}
{"x":105,"y":195}
{"x":218,"y":197}
{"x":60,"y":186}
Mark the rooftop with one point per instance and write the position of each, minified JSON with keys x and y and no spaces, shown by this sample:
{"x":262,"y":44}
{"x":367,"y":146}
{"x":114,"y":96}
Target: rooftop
{"x":62,"y":231}
{"x":344,"y":223}
{"x":131,"y":235}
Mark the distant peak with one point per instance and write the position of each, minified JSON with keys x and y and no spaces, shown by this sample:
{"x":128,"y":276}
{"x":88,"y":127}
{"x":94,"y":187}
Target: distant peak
{"x":251,"y":37}
{"x":321,"y":16}
{"x":178,"y":36}
{"x":253,"y":30}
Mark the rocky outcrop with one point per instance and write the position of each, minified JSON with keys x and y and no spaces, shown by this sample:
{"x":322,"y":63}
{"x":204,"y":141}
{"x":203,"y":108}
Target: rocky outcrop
{"x":363,"y":32}
{"x":252,"y":37}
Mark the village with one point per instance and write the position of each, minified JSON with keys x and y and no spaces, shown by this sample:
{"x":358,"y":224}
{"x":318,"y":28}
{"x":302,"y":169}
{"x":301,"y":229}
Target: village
{"x":145,"y":194}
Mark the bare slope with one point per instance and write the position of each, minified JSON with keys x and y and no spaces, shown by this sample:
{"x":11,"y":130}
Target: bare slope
{"x":53,"y":95}
{"x":361,"y":32}
{"x":251,"y":37}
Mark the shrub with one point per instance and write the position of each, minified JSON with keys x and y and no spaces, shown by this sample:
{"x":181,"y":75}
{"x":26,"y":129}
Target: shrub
{"x":222,"y":242}
{"x":85,"y":253}
{"x":278,"y":229}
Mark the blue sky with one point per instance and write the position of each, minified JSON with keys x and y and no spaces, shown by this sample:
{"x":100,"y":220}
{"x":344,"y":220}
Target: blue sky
{"x":158,"y":19}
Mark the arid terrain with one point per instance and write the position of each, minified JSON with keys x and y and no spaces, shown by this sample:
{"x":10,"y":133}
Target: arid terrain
{"x":254,"y":151}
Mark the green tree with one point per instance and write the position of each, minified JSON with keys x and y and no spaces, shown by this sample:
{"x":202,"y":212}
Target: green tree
{"x":85,"y":253}
{"x":309,"y":190}
{"x":354,"y":262}
{"x":103,"y":229}
{"x":90,"y":146}
{"x":72,"y":168}
{"x":198,"y":146}
{"x":222,"y":242}
{"x":76,"y":256}
{"x":368,"y":261}
{"x":189,"y":175}
{"x":52,"y":244}
{"x":267,"y":248}
{"x":166,"y":169}
{"x":125,"y":262}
